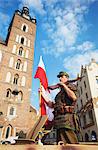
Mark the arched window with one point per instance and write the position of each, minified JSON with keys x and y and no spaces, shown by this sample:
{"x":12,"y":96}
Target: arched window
{"x":25,"y":66}
{"x":23,"y":81}
{"x":18,"y":64}
{"x":11,"y":111}
{"x":22,"y":40}
{"x":8,"y":77}
{"x":20,"y":51}
{"x":14,"y":49}
{"x":20,"y":96}
{"x":16,"y":77}
{"x":11,"y":62}
{"x":8,"y":94}
{"x":7,"y":132}
{"x":93,"y":136}
{"x":27,"y":54}
{"x":24,"y":28}
{"x":86,"y":137}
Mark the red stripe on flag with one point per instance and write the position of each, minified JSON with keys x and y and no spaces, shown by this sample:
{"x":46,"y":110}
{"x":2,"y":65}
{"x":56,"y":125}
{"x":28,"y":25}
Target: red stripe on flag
{"x":41,"y":74}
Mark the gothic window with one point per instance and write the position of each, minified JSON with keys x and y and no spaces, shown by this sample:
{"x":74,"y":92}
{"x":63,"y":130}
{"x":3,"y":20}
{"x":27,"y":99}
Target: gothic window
{"x":25,"y":66}
{"x":28,"y":43}
{"x":14,"y":49}
{"x":20,"y":51}
{"x":7,"y":132}
{"x":20,"y":96}
{"x":91,"y":116}
{"x":17,"y":38}
{"x":11,"y":62}
{"x":84,"y":84}
{"x":24,"y":28}
{"x":86,"y":137}
{"x":18,"y":64}
{"x":8,"y":77}
{"x":23,"y":81}
{"x":8,"y":94}
{"x":16,"y":77}
{"x":84,"y":119}
{"x":11,"y":111}
{"x":86,"y":96}
{"x":27,"y":54}
{"x":22,"y":40}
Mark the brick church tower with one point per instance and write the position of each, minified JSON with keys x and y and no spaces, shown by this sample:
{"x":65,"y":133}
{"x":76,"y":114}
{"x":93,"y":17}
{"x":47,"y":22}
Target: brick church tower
{"x":17,"y":116}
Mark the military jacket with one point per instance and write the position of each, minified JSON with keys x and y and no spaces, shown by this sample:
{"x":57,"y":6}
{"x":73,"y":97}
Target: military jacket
{"x":64,"y":108}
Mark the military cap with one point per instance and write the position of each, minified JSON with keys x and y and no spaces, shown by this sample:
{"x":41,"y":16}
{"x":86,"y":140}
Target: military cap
{"x":62,"y":73}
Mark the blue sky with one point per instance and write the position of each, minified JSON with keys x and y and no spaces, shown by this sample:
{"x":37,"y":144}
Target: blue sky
{"x":66,"y":35}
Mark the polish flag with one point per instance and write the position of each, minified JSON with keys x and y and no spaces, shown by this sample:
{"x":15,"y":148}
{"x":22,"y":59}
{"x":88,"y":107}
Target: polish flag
{"x":41,"y":75}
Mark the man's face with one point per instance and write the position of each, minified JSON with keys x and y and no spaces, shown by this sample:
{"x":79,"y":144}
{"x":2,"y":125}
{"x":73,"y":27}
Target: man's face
{"x":63,"y":79}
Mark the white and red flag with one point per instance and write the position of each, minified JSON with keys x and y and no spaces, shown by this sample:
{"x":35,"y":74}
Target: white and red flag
{"x":41,"y":75}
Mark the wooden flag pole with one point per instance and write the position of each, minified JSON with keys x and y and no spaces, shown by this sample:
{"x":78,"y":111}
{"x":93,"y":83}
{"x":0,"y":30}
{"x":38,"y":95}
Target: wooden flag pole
{"x":40,"y":94}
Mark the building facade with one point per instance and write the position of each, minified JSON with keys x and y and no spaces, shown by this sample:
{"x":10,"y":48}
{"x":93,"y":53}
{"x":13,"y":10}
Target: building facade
{"x":87,"y":103}
{"x":17,"y":116}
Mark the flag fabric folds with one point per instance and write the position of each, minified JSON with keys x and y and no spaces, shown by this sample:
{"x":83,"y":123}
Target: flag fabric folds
{"x":41,"y":75}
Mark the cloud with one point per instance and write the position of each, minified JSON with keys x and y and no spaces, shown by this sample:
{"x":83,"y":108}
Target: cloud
{"x":37,"y":5}
{"x":73,"y":64}
{"x":64,"y":24}
{"x":84,"y":47}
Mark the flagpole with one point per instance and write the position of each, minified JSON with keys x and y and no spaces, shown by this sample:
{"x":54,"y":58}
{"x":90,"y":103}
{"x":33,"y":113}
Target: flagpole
{"x":40,"y":94}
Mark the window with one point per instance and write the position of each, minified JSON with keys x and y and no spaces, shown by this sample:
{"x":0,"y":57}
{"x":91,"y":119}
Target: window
{"x":23,"y":81}
{"x":8,"y":94}
{"x":20,"y":51}
{"x":27,"y":54}
{"x":81,"y":90}
{"x":86,"y":96}
{"x":24,"y":28}
{"x":11,"y":111}
{"x":22,"y":40}
{"x":28,"y":43}
{"x":14,"y":49}
{"x":84,"y":84}
{"x":90,"y":116}
{"x":17,"y":38}
{"x":16,"y":77}
{"x":18,"y":64}
{"x":25,"y":66}
{"x":86,"y":137}
{"x":11,"y":62}
{"x":20,"y":96}
{"x":84,"y":120}
{"x":81,"y":103}
{"x":8,"y":77}
{"x":7,"y":132}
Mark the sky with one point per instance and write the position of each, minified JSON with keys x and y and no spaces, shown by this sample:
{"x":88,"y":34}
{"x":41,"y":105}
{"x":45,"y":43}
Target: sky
{"x":66,"y":35}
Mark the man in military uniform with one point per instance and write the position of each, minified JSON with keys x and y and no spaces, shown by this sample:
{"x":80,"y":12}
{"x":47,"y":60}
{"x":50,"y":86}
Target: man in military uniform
{"x":64,"y":120}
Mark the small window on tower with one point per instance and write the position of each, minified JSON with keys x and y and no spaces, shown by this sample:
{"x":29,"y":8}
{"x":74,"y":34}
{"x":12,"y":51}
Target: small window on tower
{"x":16,"y":77}
{"x":18,"y":64}
{"x":22,"y":40}
{"x":20,"y":51}
{"x":24,"y":28}
{"x":8,"y":94}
